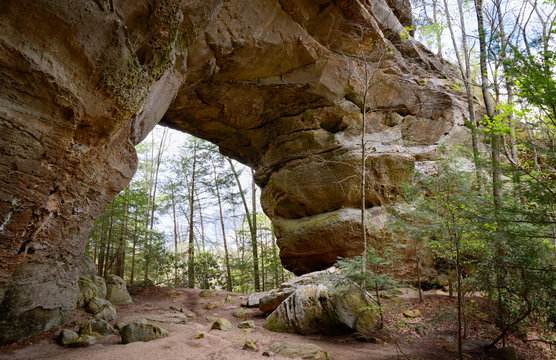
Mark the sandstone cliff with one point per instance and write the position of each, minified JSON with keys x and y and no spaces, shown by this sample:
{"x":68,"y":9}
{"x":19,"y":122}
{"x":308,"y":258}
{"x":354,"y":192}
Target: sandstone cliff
{"x":269,"y":81}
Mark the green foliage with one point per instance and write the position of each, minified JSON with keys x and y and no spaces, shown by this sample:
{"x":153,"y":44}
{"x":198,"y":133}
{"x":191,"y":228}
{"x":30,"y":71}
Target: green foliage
{"x":209,"y":272}
{"x":502,"y":254}
{"x":376,"y":275}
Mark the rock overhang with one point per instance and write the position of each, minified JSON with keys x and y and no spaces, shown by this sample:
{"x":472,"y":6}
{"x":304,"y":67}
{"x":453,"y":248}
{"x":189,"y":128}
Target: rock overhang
{"x":270,"y":82}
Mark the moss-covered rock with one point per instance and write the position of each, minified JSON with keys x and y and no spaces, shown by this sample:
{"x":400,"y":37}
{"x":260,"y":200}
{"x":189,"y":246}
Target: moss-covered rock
{"x":116,"y":290}
{"x":329,"y":304}
{"x":67,"y":336}
{"x":296,"y":350}
{"x":102,"y":309}
{"x":90,"y":287}
{"x":96,"y":326}
{"x":222,"y":324}
{"x":141,"y":330}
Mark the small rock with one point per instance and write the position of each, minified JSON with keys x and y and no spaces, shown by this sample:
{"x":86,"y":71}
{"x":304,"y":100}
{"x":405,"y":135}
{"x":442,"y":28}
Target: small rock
{"x":366,"y":338}
{"x":505,"y":353}
{"x":268,"y":353}
{"x":250,"y":345}
{"x":96,"y":304}
{"x":228,"y":299}
{"x":472,"y":345}
{"x":249,"y":324}
{"x":254,"y":298}
{"x":199,"y":336}
{"x":96,"y":326}
{"x":295,"y":350}
{"x":213,"y":305}
{"x":385,"y":295}
{"x":140,"y":330}
{"x":240,"y":314}
{"x":211,"y":318}
{"x":421,"y":329}
{"x":244,"y":302}
{"x":189,"y":314}
{"x":412,"y":313}
{"x":67,"y":336}
{"x":83,"y":341}
{"x":108,"y":313}
{"x":169,"y":318}
{"x":174,"y":293}
{"x":207,"y":293}
{"x":222,"y":324}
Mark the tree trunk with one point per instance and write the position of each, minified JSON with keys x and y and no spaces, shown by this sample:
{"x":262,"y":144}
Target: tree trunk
{"x":202,"y":224}
{"x":100,"y":264}
{"x":226,"y":256}
{"x":252,"y":227}
{"x":438,"y":34}
{"x":418,"y":268}
{"x":132,"y":275}
{"x":173,"y":199}
{"x":485,"y":84}
{"x":510,"y":93}
{"x":465,"y":70}
{"x":276,"y":260}
{"x":191,"y":250}
{"x":120,"y":260}
{"x":495,"y":153}
{"x":109,"y":242}
{"x":254,"y":234}
{"x":460,"y":304}
{"x":364,"y":172}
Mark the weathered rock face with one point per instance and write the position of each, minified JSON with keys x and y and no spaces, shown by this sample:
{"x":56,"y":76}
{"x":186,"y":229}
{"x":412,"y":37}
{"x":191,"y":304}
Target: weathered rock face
{"x":269,"y":81}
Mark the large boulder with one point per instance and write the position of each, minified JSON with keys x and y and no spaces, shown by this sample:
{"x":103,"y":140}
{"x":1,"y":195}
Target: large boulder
{"x":116,"y":290}
{"x":90,"y":285}
{"x":327,"y":304}
{"x":141,"y":330}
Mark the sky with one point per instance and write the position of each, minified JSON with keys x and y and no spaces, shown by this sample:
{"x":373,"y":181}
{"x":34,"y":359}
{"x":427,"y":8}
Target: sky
{"x":210,"y":212}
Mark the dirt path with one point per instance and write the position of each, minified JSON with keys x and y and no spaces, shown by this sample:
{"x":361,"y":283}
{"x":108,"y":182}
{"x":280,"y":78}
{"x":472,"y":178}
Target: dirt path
{"x":217,"y":345}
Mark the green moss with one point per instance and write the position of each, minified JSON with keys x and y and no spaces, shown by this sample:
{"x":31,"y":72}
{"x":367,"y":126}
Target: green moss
{"x":186,"y":38}
{"x":273,"y":324}
{"x":308,"y":116}
{"x":351,"y":94}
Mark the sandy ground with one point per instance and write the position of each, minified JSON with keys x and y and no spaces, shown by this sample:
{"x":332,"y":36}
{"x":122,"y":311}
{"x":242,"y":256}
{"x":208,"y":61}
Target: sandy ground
{"x":216,"y":344}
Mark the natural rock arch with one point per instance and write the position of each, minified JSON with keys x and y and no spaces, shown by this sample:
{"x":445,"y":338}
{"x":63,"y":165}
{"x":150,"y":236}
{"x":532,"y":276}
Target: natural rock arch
{"x":82,"y":82}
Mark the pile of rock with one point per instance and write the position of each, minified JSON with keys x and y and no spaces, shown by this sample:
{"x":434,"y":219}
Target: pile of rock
{"x":112,"y":288}
{"x":97,"y":295}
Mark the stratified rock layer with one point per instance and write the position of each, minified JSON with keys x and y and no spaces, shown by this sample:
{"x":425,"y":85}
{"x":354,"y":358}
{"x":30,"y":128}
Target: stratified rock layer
{"x":272,"y":83}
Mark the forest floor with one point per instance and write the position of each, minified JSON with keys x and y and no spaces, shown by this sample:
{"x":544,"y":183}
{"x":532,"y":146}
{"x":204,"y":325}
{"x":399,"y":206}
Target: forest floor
{"x":398,"y":340}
